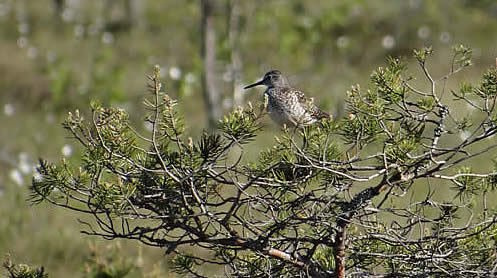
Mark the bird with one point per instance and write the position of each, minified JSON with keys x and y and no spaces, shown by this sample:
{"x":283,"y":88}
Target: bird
{"x":287,"y":105}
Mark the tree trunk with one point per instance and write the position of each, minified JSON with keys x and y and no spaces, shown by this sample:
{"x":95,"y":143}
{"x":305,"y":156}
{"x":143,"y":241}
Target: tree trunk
{"x":236,"y":61}
{"x":339,"y":250}
{"x":209,"y":86}
{"x":134,"y":12}
{"x":59,"y":7}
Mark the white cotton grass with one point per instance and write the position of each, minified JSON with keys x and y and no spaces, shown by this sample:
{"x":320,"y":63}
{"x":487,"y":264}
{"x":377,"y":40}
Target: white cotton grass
{"x":24,"y":169}
{"x":66,"y":150}
{"x":8,"y":109}
{"x":174,"y":73}
{"x":388,"y":42}
{"x":190,"y":78}
{"x":424,"y":32}
{"x":16,"y":176}
{"x":24,"y":165}
{"x":68,"y":15}
{"x":343,"y":42}
{"x":23,"y":28}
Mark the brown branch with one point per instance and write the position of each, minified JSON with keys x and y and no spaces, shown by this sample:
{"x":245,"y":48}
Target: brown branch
{"x":339,"y":251}
{"x":350,"y":209}
{"x":273,"y":252}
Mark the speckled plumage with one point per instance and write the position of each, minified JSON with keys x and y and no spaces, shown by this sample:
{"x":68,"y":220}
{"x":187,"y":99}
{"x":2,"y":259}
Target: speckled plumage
{"x":287,"y":105}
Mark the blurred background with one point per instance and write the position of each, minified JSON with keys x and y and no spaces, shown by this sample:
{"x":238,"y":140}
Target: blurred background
{"x":57,"y":55}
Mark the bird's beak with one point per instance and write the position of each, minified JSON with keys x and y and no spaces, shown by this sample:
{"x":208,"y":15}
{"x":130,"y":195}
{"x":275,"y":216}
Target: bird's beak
{"x":255,"y":84}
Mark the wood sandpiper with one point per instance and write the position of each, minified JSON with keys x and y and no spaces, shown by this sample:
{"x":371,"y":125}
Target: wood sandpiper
{"x":287,"y":105}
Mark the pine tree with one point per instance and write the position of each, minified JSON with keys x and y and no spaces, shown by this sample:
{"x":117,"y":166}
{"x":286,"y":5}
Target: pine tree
{"x":359,"y":199}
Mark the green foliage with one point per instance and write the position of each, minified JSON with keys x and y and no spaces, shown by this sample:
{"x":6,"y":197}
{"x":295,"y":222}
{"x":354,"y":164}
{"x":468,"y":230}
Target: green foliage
{"x":426,"y":103}
{"x":488,"y":86}
{"x":111,"y":126}
{"x":422,"y":54}
{"x":242,"y":124}
{"x":23,"y":271}
{"x":465,"y":90}
{"x":371,"y":113}
{"x":171,"y":121}
{"x":210,"y":147}
{"x":466,"y":184}
{"x":462,"y":55}
{"x":388,"y":82}
{"x":182,"y":264}
{"x":480,"y":247}
{"x":324,"y":256}
{"x":360,"y":126}
{"x":399,"y":149}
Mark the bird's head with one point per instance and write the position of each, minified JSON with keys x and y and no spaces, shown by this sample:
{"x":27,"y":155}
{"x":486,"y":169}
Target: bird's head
{"x":272,"y":78}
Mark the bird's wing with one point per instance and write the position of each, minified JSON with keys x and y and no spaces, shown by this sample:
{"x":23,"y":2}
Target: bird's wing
{"x":310,"y":106}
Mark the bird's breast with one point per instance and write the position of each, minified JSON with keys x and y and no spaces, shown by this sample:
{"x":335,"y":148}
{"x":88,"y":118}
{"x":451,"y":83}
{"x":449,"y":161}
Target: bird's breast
{"x":285,"y":109}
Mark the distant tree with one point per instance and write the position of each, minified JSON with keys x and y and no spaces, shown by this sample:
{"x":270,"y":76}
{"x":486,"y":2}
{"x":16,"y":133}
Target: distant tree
{"x":210,"y":88}
{"x":131,"y":15}
{"x":359,"y":199}
{"x":135,"y":12}
{"x":236,"y":60}
{"x":59,"y":7}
